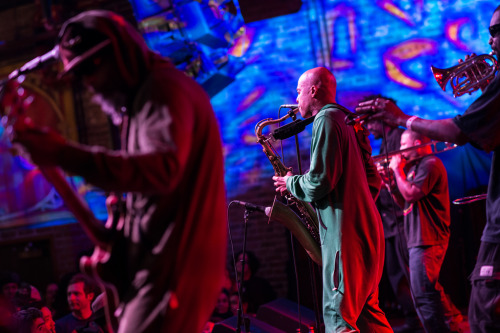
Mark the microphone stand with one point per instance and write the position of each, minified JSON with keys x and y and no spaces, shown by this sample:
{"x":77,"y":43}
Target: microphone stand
{"x":240,"y":285}
{"x":312,"y":270}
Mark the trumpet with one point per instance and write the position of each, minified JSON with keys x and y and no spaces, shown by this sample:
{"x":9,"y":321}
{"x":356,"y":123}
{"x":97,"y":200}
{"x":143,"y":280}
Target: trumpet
{"x":436,"y":146}
{"x":467,"y":76}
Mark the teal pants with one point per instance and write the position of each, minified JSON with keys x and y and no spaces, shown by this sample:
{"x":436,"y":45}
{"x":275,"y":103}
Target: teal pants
{"x":350,"y":284}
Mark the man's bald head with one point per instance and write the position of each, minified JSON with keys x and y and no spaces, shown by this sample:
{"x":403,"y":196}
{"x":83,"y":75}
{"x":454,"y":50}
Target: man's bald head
{"x":325,"y":81}
{"x":316,"y":88}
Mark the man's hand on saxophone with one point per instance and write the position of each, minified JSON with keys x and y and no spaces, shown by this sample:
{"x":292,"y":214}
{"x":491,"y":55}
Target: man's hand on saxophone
{"x":280,"y":183}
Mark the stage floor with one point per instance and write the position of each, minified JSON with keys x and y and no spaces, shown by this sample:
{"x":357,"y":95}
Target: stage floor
{"x":399,"y":322}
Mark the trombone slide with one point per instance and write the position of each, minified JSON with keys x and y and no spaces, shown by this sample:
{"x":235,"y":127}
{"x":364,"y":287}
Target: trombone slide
{"x":437,"y":147}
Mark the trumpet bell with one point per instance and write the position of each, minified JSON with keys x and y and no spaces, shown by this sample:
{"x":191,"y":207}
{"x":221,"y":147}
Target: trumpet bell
{"x":468,"y":76}
{"x":441,"y":75}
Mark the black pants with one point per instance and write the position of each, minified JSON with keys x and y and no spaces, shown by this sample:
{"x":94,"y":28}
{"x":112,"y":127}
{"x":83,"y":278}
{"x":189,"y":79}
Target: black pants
{"x":484,"y":305}
{"x":396,"y":266}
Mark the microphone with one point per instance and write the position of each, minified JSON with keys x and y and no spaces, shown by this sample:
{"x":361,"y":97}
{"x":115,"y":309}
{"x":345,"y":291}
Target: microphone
{"x":353,"y":119}
{"x":250,"y":206}
{"x":289,"y":106}
{"x":291,"y":129}
{"x":36,"y":63}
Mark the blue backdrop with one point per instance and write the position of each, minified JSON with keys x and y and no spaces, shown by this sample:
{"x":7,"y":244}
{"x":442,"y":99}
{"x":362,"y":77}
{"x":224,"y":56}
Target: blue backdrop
{"x":372,"y":47}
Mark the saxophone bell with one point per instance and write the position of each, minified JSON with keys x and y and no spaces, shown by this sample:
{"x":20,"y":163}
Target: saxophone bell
{"x":281,"y":213}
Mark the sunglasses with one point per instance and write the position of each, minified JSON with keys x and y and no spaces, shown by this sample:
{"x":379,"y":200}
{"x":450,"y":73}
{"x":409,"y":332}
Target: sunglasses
{"x":494,"y":30}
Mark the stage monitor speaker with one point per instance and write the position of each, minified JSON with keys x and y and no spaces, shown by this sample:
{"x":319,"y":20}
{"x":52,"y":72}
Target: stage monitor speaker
{"x":255,"y":10}
{"x":283,"y":314}
{"x":256,"y":326}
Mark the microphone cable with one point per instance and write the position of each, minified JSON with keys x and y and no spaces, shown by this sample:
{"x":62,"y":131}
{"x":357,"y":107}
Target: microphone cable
{"x":312,"y":274}
{"x":294,"y":258}
{"x":402,"y":248}
{"x":233,"y":255}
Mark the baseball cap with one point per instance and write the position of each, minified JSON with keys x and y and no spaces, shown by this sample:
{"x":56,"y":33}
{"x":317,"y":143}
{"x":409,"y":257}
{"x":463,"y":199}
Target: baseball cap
{"x":78,"y":44}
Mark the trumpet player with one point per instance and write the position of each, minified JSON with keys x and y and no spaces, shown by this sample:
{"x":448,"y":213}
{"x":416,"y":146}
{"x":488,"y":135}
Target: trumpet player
{"x":422,"y":190}
{"x":351,"y":233}
{"x":478,"y":125}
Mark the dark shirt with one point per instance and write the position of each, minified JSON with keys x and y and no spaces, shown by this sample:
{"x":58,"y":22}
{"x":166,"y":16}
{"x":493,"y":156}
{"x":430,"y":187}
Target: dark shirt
{"x":427,"y":221}
{"x":481,"y":123}
{"x":216,"y":316}
{"x":69,"y":323}
{"x":256,"y":292}
{"x":390,"y":212}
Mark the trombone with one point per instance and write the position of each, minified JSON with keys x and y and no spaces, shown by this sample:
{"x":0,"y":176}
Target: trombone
{"x":437,"y":147}
{"x":471,"y":199}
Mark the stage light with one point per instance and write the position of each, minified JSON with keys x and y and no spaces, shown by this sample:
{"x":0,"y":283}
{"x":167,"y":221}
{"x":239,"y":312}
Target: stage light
{"x":196,"y":36}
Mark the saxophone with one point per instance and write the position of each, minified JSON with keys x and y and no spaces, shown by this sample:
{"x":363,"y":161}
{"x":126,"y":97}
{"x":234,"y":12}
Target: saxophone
{"x":304,"y":226}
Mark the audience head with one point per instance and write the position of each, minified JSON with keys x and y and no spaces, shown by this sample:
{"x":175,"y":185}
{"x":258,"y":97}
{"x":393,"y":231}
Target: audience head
{"x":80,"y":294}
{"x":50,"y":293}
{"x":252,"y":264}
{"x":26,"y":295}
{"x":47,"y":318}
{"x":24,"y":290}
{"x":223,"y":302}
{"x":29,"y":320}
{"x":9,"y":283}
{"x":234,"y":301}
{"x":46,"y":315}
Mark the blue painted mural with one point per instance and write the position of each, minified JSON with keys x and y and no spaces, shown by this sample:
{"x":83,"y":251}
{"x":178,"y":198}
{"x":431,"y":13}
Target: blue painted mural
{"x":372,"y":47}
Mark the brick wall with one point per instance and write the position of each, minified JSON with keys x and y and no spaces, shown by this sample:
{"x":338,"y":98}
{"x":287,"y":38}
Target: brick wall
{"x":43,"y":255}
{"x":267,"y":241}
